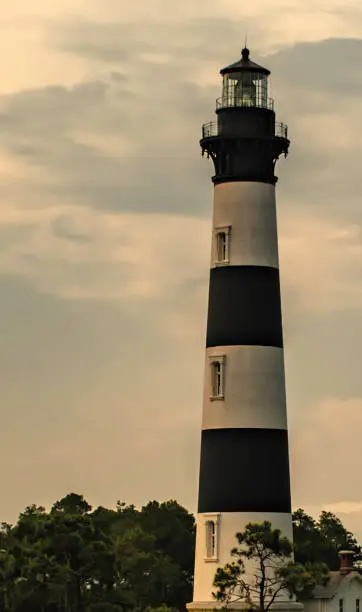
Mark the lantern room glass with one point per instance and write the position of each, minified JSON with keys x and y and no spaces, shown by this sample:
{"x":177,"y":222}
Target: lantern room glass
{"x":245,"y":88}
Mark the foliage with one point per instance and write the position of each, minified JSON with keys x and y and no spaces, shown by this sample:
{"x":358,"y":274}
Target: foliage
{"x":300,"y":580}
{"x":321,"y":540}
{"x":75,"y":559}
{"x":273,"y":570}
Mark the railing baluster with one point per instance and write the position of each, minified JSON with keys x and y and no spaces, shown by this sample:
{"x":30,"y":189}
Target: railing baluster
{"x":210,"y":129}
{"x":230,"y":100}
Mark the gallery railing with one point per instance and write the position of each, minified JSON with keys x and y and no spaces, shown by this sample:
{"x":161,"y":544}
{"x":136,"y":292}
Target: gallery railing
{"x":211,"y":129}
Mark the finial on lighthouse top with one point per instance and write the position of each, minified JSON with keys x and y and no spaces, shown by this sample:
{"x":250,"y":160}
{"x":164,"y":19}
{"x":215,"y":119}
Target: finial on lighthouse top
{"x":245,"y":64}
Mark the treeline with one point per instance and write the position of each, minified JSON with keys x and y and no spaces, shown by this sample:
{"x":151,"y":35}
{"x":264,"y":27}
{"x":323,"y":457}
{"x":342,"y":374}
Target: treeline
{"x":77,"y":559}
{"x":320,"y":541}
{"x":73,"y":558}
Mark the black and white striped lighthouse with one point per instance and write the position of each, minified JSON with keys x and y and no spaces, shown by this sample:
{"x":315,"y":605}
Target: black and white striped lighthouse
{"x":244,"y":468}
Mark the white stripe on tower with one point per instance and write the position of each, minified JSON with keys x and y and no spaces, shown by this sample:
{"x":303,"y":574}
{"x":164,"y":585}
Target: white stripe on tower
{"x":244,"y":467}
{"x":249,"y":210}
{"x":255,"y":397}
{"x":227,"y":525}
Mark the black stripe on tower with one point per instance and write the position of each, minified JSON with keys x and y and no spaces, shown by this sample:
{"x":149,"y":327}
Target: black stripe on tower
{"x":244,"y":470}
{"x":244,"y":307}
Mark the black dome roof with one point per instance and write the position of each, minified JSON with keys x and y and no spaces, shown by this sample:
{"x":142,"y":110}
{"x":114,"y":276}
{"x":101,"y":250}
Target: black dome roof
{"x":244,"y":63}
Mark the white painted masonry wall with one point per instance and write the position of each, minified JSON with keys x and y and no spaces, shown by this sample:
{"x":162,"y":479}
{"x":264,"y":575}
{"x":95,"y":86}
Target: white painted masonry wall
{"x":350,"y":590}
{"x":250,"y":210}
{"x":230,"y":524}
{"x":254,"y":389}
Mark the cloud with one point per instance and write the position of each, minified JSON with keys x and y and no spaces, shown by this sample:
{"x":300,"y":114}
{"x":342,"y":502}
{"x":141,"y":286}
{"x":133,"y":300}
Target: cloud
{"x":127,"y":139}
{"x":94,"y":144}
{"x":326,"y":459}
{"x":77,"y":252}
{"x":266,"y":25}
{"x":326,"y":67}
{"x":321,"y":264}
{"x":82,"y":254}
{"x":349,"y":512}
{"x":98,"y":393}
{"x":325,"y":449}
{"x":102,"y":182}
{"x":345,"y":507}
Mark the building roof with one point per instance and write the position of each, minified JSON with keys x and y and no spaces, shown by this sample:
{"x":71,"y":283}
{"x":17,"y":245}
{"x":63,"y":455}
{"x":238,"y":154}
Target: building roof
{"x":244,"y":63}
{"x":336,"y":580}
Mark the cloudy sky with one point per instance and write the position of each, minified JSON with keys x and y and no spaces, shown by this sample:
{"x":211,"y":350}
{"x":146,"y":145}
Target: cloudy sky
{"x":105,"y":217}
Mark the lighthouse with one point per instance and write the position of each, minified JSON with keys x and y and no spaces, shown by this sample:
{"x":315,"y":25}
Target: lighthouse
{"x":244,"y":464}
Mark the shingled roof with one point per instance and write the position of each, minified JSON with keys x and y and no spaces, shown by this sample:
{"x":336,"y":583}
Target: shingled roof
{"x":336,"y":580}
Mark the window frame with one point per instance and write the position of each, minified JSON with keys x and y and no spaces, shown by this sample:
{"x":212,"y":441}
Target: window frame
{"x":213,"y":361}
{"x":225,"y":230}
{"x":211,"y":549}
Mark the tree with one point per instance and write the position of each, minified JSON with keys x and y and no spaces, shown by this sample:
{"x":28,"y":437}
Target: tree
{"x":72,"y":504}
{"x":308,"y":545}
{"x":273,"y":572}
{"x":76,"y":559}
{"x":321,"y":540}
{"x":173,"y":528}
{"x":52,"y":560}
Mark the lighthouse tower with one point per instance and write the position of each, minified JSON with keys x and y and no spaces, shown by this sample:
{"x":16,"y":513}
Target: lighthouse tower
{"x":244,"y":467}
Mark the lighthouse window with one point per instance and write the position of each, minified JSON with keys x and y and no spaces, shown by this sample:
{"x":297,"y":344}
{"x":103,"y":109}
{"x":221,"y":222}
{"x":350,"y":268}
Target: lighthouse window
{"x":217,"y":377}
{"x":222,"y":245}
{"x":211,"y":537}
{"x":341,"y":605}
{"x":245,"y":89}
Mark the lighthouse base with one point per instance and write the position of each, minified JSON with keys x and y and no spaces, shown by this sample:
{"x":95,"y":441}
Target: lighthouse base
{"x":206,"y":606}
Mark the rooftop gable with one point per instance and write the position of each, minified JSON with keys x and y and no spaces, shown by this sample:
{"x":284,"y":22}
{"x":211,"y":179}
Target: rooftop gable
{"x":338,"y":584}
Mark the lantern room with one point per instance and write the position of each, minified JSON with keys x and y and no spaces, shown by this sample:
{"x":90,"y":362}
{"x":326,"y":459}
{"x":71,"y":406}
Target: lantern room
{"x":245,"y":84}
